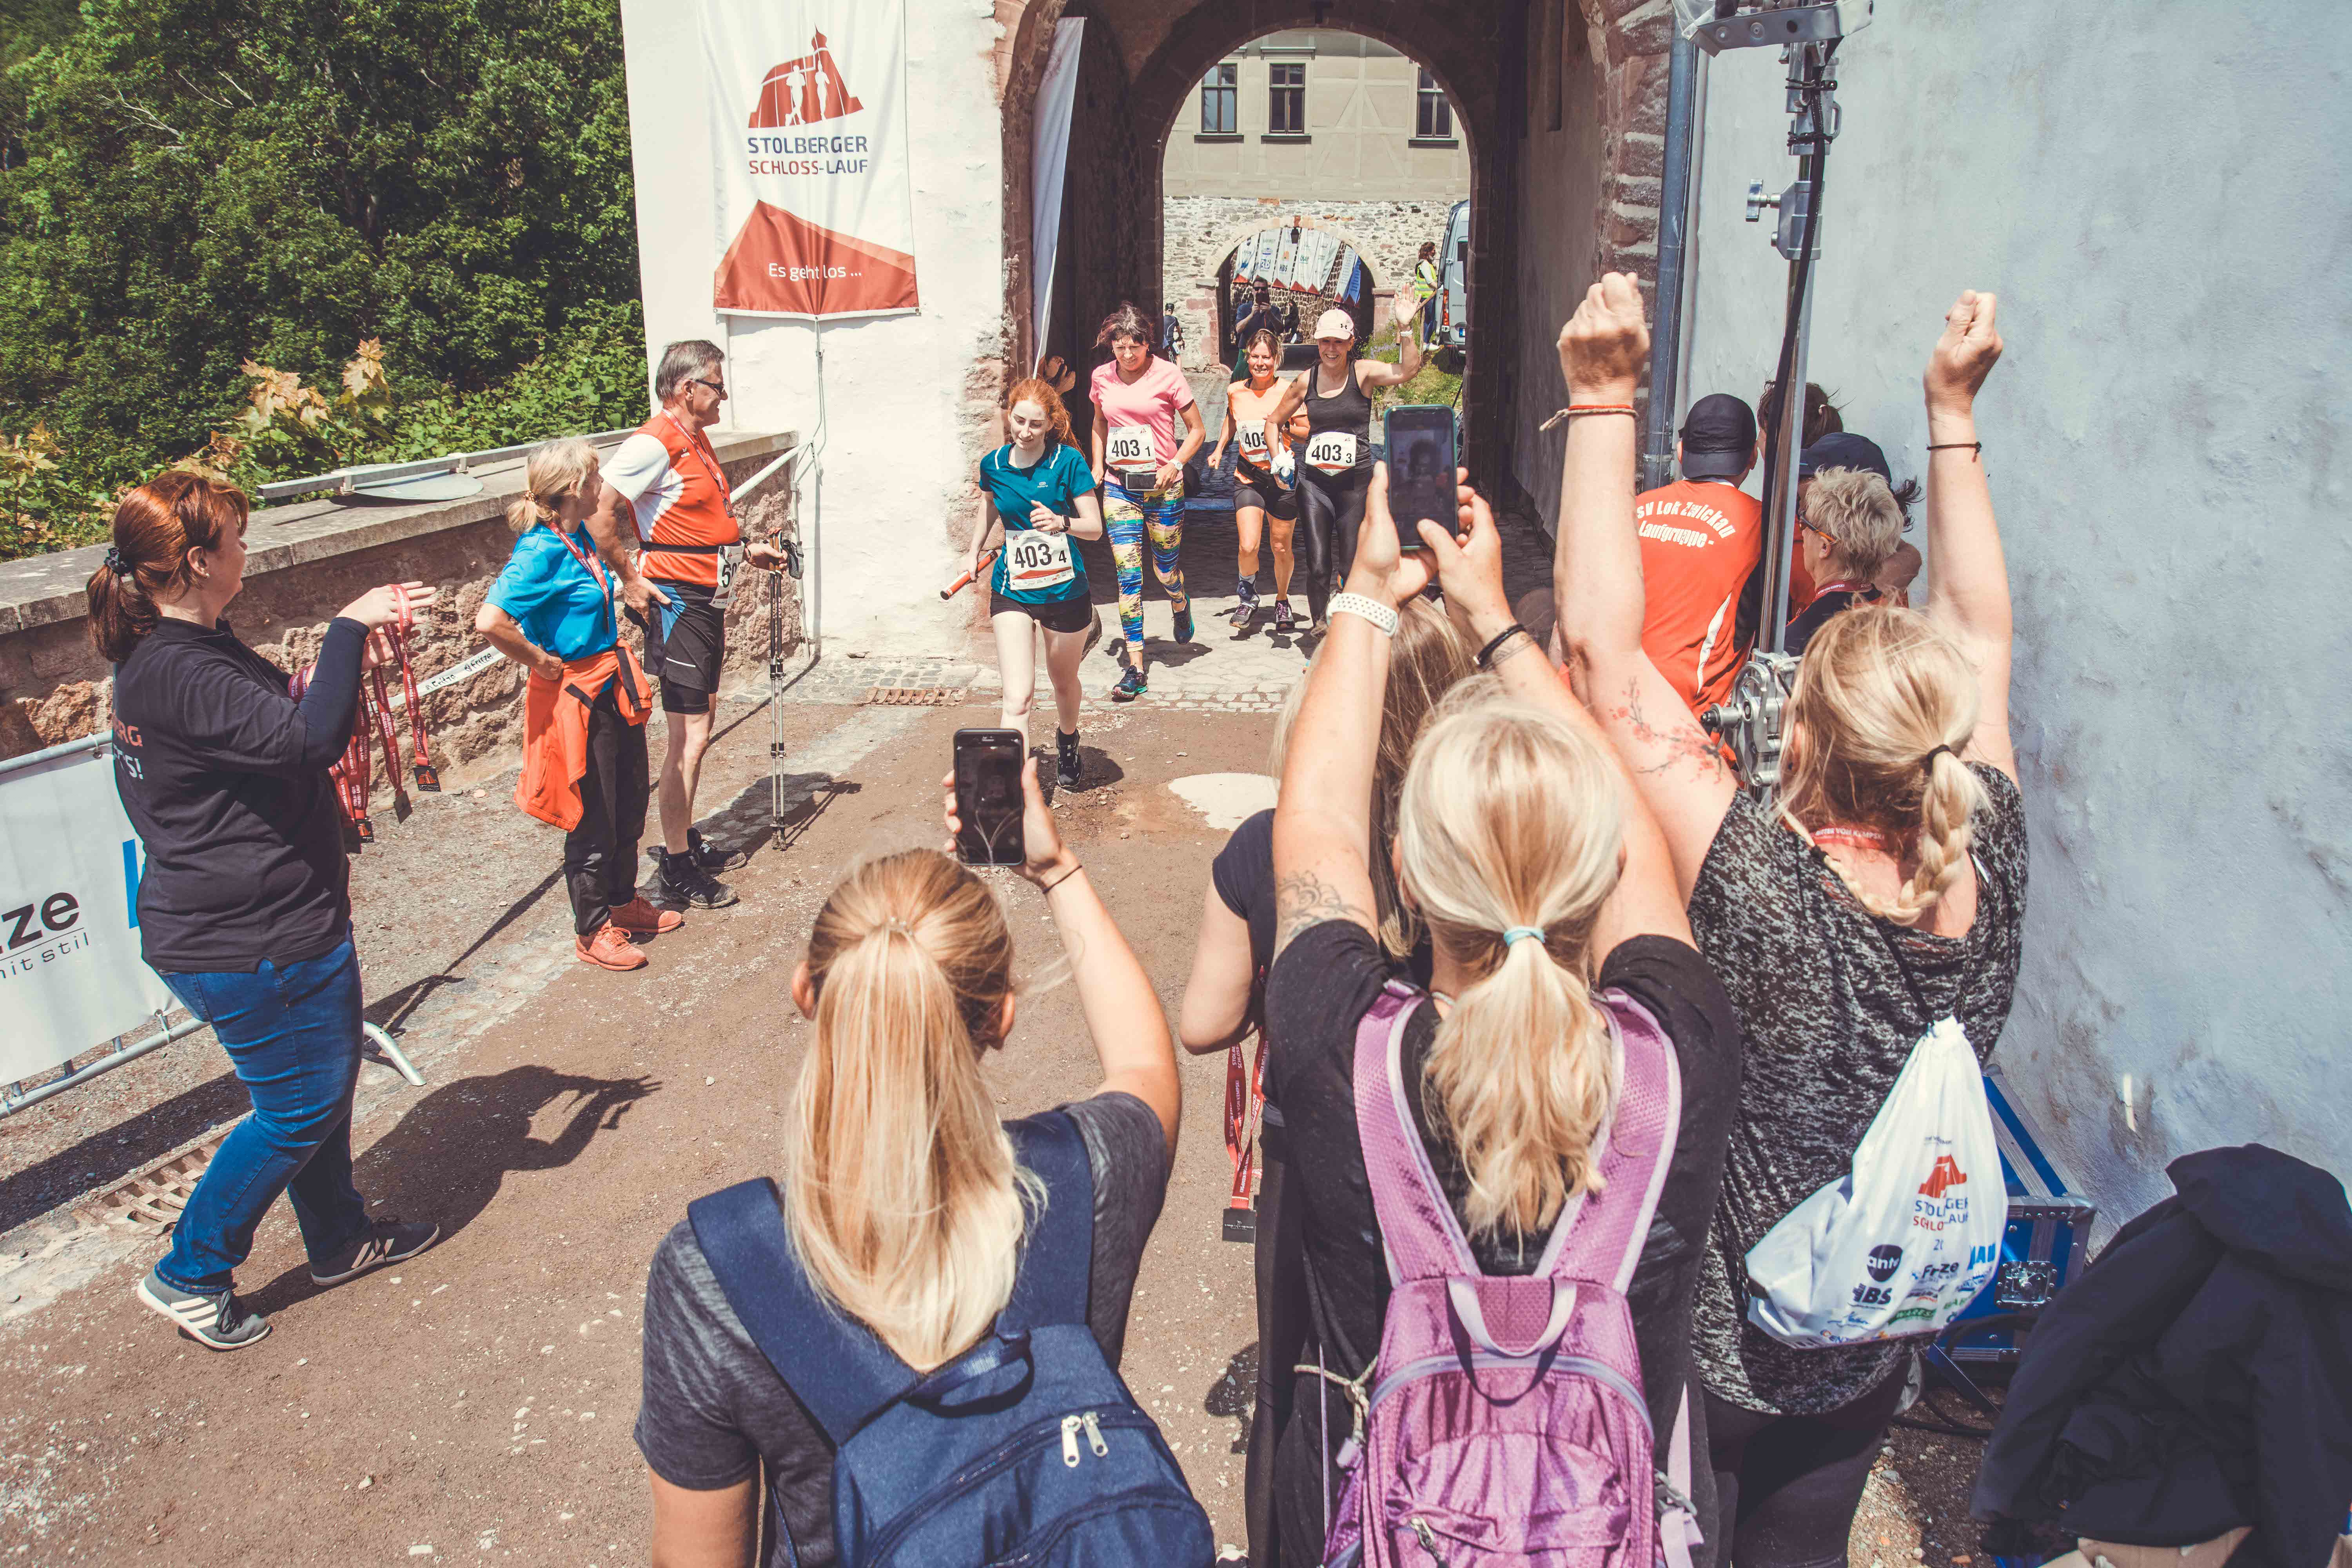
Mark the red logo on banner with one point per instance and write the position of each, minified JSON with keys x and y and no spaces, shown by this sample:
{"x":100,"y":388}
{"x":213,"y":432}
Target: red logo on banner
{"x":790,"y":266}
{"x":1946,"y":1173}
{"x":803,"y":91}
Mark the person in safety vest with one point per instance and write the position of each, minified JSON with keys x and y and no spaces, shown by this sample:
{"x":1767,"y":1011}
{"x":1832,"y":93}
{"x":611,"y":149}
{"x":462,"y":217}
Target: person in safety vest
{"x":678,"y":585}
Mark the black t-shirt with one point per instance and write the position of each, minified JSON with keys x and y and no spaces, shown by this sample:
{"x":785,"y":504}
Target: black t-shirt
{"x":1322,"y":985}
{"x":1243,"y":874}
{"x":1817,"y":615}
{"x":224,"y":777}
{"x":715,"y":1412}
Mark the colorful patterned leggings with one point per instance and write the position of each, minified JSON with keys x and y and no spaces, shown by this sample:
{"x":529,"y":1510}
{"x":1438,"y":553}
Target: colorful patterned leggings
{"x":1128,"y":517}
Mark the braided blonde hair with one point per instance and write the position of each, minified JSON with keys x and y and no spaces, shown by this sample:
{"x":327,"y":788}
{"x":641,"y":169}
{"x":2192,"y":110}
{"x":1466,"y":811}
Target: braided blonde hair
{"x":554,"y":471}
{"x":1887,"y":700}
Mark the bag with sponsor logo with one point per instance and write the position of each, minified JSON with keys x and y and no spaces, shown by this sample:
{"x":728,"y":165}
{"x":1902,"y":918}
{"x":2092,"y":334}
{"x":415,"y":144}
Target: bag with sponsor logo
{"x":1908,"y":1236}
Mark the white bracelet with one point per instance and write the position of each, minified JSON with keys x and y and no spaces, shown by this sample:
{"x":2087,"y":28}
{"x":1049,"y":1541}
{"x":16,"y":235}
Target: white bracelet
{"x":1372,"y":610}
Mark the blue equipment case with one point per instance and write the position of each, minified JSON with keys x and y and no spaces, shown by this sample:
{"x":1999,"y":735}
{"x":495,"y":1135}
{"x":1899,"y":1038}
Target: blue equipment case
{"x":2044,"y":1246}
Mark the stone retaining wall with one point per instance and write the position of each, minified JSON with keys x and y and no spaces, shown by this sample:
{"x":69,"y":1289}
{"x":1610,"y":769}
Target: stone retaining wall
{"x":308,"y":560}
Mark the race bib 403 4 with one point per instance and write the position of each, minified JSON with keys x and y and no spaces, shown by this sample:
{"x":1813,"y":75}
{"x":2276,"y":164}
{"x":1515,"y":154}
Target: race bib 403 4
{"x":1034,"y":561}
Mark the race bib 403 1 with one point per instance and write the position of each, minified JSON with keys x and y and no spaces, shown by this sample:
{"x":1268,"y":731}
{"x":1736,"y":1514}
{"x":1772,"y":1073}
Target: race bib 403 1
{"x":1132,"y":446}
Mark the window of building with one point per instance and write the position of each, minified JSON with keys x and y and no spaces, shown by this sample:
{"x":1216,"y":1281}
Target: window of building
{"x":1287,"y":99}
{"x":1219,"y":90}
{"x":1433,"y":121}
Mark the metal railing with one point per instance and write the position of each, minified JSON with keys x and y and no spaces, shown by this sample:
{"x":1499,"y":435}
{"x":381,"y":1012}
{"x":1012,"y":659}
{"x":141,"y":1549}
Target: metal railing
{"x":343,"y":481}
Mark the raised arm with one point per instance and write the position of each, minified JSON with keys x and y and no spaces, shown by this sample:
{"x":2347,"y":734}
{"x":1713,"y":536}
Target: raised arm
{"x":1597,"y":585}
{"x":1216,"y":1007}
{"x":1323,"y":817}
{"x":1647,"y":899}
{"x":1373,"y":372}
{"x":1122,"y":1011}
{"x":1969,"y":588}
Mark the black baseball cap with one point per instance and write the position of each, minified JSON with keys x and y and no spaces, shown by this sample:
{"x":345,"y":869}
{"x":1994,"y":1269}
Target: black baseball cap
{"x":1718,"y":438}
{"x":1844,"y":449}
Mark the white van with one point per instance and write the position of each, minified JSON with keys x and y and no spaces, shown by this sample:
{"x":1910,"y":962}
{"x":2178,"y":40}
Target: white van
{"x":1452,"y":327}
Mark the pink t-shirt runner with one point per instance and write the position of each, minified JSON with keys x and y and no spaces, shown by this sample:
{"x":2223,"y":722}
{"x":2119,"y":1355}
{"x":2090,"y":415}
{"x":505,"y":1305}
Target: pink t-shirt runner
{"x":1150,"y":400}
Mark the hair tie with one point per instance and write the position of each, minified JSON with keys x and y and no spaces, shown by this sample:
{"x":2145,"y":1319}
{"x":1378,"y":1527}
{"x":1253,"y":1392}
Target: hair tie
{"x":1518,"y":934}
{"x":1928,"y":762}
{"x":901,"y":927}
{"x":115,"y":564}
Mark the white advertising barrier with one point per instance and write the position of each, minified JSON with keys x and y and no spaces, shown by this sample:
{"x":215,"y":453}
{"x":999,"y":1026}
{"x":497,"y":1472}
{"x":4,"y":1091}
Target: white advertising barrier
{"x":808,"y":127}
{"x":70,"y":973}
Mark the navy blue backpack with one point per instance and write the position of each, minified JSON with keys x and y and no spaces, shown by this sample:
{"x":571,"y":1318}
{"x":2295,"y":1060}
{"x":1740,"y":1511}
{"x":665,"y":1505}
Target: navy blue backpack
{"x":1026,"y":1449}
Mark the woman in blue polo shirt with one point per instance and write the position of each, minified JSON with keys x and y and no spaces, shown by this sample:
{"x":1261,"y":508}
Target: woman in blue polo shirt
{"x":550,"y":611}
{"x":1041,"y":495}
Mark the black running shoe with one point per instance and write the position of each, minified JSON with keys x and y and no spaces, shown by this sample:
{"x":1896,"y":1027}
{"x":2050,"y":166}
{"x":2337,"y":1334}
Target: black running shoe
{"x":1130,"y":685}
{"x":1066,"y":760}
{"x":710,"y":857}
{"x":386,"y":1241}
{"x":211,"y":1318}
{"x":680,"y":883}
{"x":1184,"y":623}
{"x":1285,"y":620}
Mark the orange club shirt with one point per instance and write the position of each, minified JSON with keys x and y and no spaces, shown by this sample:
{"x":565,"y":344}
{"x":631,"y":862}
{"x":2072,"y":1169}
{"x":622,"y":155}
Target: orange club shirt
{"x":1700,"y":541}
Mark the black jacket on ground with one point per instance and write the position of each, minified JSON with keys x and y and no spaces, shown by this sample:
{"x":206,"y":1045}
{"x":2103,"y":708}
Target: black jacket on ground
{"x":2198,"y":1376}
{"x":225,"y":779}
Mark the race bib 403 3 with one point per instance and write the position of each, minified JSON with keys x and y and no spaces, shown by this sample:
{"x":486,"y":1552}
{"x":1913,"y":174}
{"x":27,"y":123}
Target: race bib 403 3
{"x":1332,"y":452}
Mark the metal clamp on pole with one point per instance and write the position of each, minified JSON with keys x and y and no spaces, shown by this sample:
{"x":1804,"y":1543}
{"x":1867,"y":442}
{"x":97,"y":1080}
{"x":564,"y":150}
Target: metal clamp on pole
{"x":1751,"y":720}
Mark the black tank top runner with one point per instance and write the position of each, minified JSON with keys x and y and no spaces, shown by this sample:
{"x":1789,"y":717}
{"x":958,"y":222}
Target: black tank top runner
{"x":1347,"y":411}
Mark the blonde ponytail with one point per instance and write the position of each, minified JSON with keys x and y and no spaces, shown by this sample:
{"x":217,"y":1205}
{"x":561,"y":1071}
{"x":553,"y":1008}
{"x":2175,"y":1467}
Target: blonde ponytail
{"x":1511,"y":822}
{"x":554,"y":471}
{"x":1885,"y":701}
{"x":901,"y":1190}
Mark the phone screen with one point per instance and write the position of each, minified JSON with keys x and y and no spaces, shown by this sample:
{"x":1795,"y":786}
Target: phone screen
{"x":1420,"y":469}
{"x":988,"y":797}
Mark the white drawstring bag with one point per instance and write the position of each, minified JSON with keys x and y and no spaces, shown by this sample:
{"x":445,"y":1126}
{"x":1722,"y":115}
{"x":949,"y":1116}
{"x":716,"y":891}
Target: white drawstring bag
{"x":1905,"y":1239}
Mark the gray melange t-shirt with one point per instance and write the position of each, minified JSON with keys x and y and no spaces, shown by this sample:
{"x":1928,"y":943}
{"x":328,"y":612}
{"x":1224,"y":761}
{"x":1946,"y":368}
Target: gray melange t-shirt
{"x":1829,"y":1024}
{"x":714,"y":1411}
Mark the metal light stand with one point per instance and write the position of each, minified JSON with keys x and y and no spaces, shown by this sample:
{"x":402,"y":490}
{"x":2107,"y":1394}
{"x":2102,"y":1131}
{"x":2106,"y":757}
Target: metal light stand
{"x":1749,"y":720}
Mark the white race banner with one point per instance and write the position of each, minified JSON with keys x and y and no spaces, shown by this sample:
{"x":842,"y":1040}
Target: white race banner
{"x":808,"y":127}
{"x":70,"y":976}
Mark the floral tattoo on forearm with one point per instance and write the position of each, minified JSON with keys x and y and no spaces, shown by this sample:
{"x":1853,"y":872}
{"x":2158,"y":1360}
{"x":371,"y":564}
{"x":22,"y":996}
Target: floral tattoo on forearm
{"x":1677,"y":740}
{"x":1303,"y":899}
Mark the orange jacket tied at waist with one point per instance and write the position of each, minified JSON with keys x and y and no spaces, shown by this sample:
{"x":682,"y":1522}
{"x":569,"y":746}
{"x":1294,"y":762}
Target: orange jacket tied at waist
{"x":555,"y":730}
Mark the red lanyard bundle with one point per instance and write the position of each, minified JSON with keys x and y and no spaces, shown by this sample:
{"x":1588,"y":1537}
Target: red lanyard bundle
{"x":1245,"y":1105}
{"x":353,"y":773}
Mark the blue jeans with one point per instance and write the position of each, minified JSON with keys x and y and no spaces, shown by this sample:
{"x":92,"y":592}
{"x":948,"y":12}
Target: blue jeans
{"x":292,"y":1032}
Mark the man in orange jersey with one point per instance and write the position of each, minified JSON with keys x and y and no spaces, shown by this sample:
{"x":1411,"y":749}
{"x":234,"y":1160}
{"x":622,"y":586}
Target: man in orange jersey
{"x":667,"y":481}
{"x":1701,"y":539}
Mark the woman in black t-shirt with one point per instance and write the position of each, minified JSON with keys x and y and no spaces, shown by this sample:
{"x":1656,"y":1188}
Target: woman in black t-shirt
{"x":1884,"y":889}
{"x":900,"y":1187}
{"x":1550,"y":906}
{"x":245,"y":903}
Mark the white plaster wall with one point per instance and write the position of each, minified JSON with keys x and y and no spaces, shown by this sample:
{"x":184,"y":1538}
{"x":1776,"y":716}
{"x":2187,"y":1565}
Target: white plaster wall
{"x":896,"y":472}
{"x":2155,"y":192}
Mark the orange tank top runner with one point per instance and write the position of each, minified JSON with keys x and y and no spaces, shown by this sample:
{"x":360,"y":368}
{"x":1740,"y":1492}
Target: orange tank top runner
{"x":698,"y":519}
{"x":555,"y":730}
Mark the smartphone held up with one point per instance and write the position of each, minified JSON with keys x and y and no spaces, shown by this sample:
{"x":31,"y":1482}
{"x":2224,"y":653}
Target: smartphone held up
{"x":1421,"y":444}
{"x":988,"y":804}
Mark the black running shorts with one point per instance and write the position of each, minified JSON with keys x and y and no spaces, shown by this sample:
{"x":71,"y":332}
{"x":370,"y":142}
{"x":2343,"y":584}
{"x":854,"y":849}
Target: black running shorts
{"x":1279,"y":504}
{"x":1075,"y":614}
{"x":685,"y":640}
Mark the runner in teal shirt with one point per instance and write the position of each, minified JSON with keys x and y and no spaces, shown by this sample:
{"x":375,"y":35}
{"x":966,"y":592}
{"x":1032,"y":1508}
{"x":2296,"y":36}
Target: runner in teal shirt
{"x":1042,"y":500}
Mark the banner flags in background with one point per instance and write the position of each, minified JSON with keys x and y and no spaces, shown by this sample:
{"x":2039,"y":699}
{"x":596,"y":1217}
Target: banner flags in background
{"x":1286,"y":258}
{"x":1266,"y":239}
{"x":1057,"y":91}
{"x":808,"y":127}
{"x":70,"y":976}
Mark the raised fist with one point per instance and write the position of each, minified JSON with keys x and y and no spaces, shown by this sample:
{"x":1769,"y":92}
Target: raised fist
{"x":1964,"y":354}
{"x":1605,"y":346}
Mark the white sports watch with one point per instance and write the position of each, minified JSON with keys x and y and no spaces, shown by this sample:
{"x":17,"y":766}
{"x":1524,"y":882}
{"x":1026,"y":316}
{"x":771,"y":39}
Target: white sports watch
{"x":1382,"y":615}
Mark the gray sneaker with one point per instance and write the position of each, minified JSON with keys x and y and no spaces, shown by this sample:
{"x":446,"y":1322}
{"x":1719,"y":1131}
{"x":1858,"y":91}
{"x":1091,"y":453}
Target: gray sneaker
{"x":211,"y":1318}
{"x":386,"y":1241}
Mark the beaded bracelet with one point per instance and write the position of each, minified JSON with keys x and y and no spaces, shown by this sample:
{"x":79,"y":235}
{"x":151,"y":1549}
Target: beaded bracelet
{"x":1576,"y":409}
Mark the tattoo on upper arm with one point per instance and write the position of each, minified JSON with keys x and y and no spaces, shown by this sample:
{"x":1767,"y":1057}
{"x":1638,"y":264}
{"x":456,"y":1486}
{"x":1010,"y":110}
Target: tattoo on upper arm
{"x":1677,"y":740}
{"x":1303,"y":899}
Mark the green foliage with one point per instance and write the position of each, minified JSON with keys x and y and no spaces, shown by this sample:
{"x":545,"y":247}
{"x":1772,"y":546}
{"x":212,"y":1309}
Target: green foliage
{"x":1431,"y":386}
{"x":191,"y":186}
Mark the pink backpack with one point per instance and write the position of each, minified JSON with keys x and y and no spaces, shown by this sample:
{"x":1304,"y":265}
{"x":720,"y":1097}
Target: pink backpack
{"x":1504,"y":1420}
